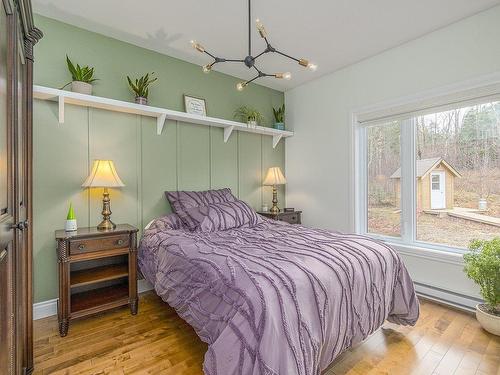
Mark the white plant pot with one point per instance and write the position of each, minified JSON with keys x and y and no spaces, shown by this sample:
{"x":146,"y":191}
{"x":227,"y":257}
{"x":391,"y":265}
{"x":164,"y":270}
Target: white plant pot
{"x":141,"y":100}
{"x":70,"y":225}
{"x":81,"y":87}
{"x":489,"y":322}
{"x":252,"y":124}
{"x":483,"y":204}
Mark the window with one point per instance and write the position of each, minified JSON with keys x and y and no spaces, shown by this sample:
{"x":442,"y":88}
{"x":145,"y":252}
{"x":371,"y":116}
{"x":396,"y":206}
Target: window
{"x":384,"y":157}
{"x":431,"y":179}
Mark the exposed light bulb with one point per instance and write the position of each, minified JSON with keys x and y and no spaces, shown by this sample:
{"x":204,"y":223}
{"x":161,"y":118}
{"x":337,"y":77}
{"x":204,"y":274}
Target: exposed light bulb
{"x":286,"y":75}
{"x":240,"y":86}
{"x":197,"y":46}
{"x":307,"y":64}
{"x":312,"y":67}
{"x":260,"y":28}
{"x":207,"y":68}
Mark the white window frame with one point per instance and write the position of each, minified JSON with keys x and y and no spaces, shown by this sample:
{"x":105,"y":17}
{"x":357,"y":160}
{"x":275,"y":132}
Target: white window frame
{"x":483,"y":89}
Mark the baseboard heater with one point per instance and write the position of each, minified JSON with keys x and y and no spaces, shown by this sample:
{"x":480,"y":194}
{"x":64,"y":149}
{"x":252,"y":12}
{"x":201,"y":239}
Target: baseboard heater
{"x":460,"y":301}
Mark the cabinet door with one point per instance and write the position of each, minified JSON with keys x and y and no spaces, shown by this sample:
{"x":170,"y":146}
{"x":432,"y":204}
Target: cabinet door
{"x":9,"y":361}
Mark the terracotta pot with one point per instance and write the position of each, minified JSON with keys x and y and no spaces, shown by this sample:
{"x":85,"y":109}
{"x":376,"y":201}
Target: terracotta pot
{"x":141,"y":100}
{"x":81,"y":87}
{"x":489,"y":322}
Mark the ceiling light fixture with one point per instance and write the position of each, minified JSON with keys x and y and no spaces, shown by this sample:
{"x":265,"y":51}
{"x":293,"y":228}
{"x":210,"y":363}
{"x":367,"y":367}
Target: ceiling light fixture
{"x":250,"y":60}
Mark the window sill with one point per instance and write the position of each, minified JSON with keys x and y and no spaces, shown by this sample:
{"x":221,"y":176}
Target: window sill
{"x":423,"y":250}
{"x":417,"y":250}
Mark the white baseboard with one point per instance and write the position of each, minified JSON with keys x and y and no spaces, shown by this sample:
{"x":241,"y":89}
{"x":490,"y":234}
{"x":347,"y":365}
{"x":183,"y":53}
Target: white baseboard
{"x":48,"y":308}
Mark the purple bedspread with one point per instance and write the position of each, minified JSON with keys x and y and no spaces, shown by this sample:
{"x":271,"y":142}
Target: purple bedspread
{"x":276,"y":298}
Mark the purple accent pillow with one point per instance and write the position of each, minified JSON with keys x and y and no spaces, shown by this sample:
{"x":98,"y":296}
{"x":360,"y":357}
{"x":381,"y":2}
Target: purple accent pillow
{"x":184,"y":200}
{"x":220,"y":216}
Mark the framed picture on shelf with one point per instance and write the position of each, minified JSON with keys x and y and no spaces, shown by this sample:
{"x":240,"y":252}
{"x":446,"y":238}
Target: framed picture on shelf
{"x":195,"y":106}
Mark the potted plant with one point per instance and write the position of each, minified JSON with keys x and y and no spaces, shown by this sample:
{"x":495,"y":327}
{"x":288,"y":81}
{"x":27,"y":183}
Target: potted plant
{"x":279,"y":117}
{"x":482,"y":265}
{"x":141,"y":87}
{"x":249,"y":115}
{"x":82,"y":78}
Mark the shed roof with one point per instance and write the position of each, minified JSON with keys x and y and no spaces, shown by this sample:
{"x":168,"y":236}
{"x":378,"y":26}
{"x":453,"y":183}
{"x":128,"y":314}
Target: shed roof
{"x":426,"y":165}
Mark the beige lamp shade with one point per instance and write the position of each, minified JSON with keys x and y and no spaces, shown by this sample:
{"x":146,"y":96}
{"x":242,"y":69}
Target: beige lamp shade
{"x":103,"y":175}
{"x":274,"y":177}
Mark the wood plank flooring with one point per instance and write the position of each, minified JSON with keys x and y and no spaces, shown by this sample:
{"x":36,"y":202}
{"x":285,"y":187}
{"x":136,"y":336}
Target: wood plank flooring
{"x":157,"y":341}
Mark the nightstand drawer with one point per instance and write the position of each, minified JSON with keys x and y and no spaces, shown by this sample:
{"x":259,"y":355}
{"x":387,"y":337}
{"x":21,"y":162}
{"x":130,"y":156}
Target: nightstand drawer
{"x":290,"y":217}
{"x":97,"y":244}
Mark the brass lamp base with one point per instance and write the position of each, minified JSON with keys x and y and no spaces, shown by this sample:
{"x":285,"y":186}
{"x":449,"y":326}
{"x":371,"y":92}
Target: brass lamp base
{"x":275,"y":209}
{"x":106,"y":223}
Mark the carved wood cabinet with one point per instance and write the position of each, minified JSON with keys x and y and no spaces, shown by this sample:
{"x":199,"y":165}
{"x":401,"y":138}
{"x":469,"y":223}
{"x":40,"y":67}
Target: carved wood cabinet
{"x":97,"y":272}
{"x":18,"y":35}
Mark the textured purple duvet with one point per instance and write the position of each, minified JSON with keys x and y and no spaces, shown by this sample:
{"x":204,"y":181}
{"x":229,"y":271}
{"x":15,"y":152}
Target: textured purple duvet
{"x":276,"y":298}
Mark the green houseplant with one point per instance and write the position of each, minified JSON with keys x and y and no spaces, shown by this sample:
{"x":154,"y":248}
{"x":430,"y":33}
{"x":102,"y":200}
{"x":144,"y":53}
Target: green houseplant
{"x":482,"y":265}
{"x":140,"y":87}
{"x":249,"y":115}
{"x":82,"y":77}
{"x":279,"y":117}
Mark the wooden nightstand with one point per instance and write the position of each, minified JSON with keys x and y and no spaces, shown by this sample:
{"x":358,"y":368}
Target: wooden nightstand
{"x":292,"y":217}
{"x":97,"y":272}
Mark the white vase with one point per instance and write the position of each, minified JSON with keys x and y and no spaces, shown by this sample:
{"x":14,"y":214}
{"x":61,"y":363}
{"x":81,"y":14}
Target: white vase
{"x":252,"y":124}
{"x":483,"y":204}
{"x":81,"y":87}
{"x":141,"y":100}
{"x":489,"y":322}
{"x":70,"y":225}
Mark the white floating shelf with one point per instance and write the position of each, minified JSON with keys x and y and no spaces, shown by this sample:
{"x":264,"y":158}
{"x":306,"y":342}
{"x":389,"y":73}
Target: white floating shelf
{"x":161,"y":114}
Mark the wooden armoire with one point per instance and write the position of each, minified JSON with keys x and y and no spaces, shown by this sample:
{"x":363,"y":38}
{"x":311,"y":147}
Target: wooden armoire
{"x":18,"y":35}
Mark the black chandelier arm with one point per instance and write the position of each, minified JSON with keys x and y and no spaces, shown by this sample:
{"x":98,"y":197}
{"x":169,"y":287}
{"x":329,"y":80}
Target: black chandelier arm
{"x":284,"y":54}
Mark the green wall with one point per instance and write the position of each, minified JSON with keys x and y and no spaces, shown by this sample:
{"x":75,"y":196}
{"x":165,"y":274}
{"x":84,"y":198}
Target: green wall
{"x":185,"y":156}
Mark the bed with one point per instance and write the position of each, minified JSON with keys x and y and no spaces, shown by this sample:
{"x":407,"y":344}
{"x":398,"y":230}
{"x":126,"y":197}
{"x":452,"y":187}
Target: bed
{"x":273,"y":298}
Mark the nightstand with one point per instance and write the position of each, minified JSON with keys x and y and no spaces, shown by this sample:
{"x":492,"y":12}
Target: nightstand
{"x":97,"y":272}
{"x":292,"y":217}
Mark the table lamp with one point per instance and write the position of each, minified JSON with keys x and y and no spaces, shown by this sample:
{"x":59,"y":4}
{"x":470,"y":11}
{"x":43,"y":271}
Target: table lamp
{"x":104,"y":175}
{"x":273,"y":178}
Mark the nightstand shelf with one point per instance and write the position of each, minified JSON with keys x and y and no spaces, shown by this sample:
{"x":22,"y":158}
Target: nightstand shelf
{"x":96,"y":300}
{"x":98,"y":274}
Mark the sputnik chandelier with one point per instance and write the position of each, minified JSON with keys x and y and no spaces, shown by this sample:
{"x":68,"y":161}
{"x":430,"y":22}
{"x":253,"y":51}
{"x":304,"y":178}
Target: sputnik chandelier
{"x":250,"y":60}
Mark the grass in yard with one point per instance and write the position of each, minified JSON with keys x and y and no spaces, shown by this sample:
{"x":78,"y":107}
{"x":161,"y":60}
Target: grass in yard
{"x":430,"y":228}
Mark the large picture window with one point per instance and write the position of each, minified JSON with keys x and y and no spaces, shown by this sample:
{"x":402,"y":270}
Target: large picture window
{"x":432,"y":179}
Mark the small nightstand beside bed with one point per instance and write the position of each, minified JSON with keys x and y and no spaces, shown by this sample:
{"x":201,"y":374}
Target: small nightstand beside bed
{"x":269,"y":297}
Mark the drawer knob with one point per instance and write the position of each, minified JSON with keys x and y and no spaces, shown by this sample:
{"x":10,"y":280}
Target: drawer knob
{"x":81,"y":246}
{"x":119,"y":242}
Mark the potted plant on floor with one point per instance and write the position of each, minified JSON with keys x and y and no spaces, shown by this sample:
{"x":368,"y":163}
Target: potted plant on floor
{"x":279,"y":117}
{"x":482,"y":265}
{"x":249,"y":115}
{"x":141,"y":87}
{"x":82,"y":78}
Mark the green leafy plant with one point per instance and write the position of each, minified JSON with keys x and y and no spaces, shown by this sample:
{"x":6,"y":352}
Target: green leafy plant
{"x":141,"y":85}
{"x":279,"y":114}
{"x":247,"y":114}
{"x":80,"y":73}
{"x":482,"y":265}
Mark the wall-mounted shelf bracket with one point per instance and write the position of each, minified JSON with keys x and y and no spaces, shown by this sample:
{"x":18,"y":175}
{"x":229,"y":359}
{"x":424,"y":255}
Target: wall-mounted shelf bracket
{"x":227,"y":132}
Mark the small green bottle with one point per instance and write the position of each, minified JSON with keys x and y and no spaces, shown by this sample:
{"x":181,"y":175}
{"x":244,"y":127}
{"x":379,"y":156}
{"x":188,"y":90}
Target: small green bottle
{"x":71,"y":220}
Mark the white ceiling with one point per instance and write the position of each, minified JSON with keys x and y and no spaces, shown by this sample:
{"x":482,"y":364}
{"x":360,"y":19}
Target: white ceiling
{"x":331,"y":33}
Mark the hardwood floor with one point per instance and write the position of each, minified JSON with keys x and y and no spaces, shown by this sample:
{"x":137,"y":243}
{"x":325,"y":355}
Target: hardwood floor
{"x":157,"y":341}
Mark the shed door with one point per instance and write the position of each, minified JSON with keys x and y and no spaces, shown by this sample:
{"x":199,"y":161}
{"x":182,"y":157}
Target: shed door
{"x":438,"y":195}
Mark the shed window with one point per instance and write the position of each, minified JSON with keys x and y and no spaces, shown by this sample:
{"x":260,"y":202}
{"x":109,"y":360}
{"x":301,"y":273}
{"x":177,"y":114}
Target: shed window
{"x":431,"y":179}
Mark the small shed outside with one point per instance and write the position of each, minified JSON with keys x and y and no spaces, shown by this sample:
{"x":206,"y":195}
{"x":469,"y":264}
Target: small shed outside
{"x":435,"y":184}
